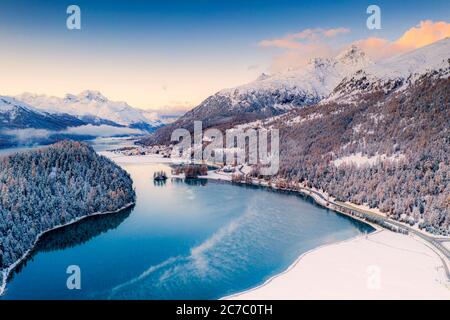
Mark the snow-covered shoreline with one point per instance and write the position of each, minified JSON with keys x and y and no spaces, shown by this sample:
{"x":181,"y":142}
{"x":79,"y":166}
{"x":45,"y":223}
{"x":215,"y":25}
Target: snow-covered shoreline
{"x":331,"y":251}
{"x":288,"y":269}
{"x":381,"y":265}
{"x":7,"y":272}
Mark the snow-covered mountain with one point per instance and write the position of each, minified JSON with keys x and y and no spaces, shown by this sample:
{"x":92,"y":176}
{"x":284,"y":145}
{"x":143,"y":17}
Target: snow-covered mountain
{"x":340,"y":79}
{"x":395,"y":73}
{"x":271,"y":95}
{"x":93,"y":107}
{"x":314,"y":81}
{"x":16,"y":114}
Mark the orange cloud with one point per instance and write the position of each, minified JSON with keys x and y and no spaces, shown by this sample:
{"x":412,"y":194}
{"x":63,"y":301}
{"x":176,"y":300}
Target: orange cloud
{"x":281,"y":43}
{"x":330,"y":33}
{"x":425,"y":33}
{"x":301,"y":46}
{"x":292,"y":59}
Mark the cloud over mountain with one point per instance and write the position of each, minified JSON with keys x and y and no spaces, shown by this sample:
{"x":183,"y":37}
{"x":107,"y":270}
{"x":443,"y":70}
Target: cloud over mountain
{"x":298,"y":48}
{"x":425,"y":33}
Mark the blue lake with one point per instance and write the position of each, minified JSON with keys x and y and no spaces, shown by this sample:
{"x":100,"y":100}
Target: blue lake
{"x":196,"y":240}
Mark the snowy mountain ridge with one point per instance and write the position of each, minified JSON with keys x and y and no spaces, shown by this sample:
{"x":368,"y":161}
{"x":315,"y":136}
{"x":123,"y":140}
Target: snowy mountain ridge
{"x":92,"y":104}
{"x":271,"y":95}
{"x":340,"y":79}
{"x":314,"y":81}
{"x":395,"y":73}
{"x":16,"y":114}
{"x":10,"y":104}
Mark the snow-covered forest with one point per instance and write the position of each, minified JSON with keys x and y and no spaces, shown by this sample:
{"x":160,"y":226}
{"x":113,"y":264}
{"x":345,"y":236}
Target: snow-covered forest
{"x":50,"y":187}
{"x":407,"y":132}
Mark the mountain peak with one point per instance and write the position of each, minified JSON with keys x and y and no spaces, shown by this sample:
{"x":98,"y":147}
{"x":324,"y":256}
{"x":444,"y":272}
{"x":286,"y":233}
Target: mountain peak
{"x":91,"y":95}
{"x":396,"y":73}
{"x":70,"y":98}
{"x":91,"y":104}
{"x":318,"y":63}
{"x":353,"y":55}
{"x":263,"y":76}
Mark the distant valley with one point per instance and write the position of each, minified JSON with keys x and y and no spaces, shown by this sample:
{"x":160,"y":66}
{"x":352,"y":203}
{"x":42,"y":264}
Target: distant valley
{"x":38,"y":119}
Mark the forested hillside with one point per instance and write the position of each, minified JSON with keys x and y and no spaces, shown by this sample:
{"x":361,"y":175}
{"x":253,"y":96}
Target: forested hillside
{"x":388,"y":149}
{"x":50,"y":187}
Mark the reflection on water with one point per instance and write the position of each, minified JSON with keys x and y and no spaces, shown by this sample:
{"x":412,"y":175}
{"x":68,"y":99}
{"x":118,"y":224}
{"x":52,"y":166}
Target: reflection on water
{"x":81,"y":232}
{"x":159,"y":183}
{"x":191,"y":182}
{"x":75,"y":234}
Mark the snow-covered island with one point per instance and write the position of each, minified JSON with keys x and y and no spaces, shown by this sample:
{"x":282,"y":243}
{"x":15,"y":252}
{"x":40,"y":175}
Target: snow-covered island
{"x":48,"y":188}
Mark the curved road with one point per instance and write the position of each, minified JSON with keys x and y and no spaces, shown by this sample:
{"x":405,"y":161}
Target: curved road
{"x":434,"y":242}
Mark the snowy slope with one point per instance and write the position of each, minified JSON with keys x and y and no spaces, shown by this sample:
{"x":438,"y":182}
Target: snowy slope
{"x":316,"y":80}
{"x":271,"y":95}
{"x":16,"y":114}
{"x":432,"y":57}
{"x":276,"y":94}
{"x":93,"y":105}
{"x":299,"y":87}
{"x":396,"y":72}
{"x":9,"y":104}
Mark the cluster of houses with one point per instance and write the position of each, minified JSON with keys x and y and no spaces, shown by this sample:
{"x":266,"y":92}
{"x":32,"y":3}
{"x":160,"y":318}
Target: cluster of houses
{"x":164,"y":151}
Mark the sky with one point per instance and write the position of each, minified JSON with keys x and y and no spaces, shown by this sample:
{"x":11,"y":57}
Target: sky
{"x":171,"y":55}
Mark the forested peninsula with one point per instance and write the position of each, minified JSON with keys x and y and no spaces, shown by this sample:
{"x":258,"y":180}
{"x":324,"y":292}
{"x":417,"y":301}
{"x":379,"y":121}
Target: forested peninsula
{"x":43,"y":189}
